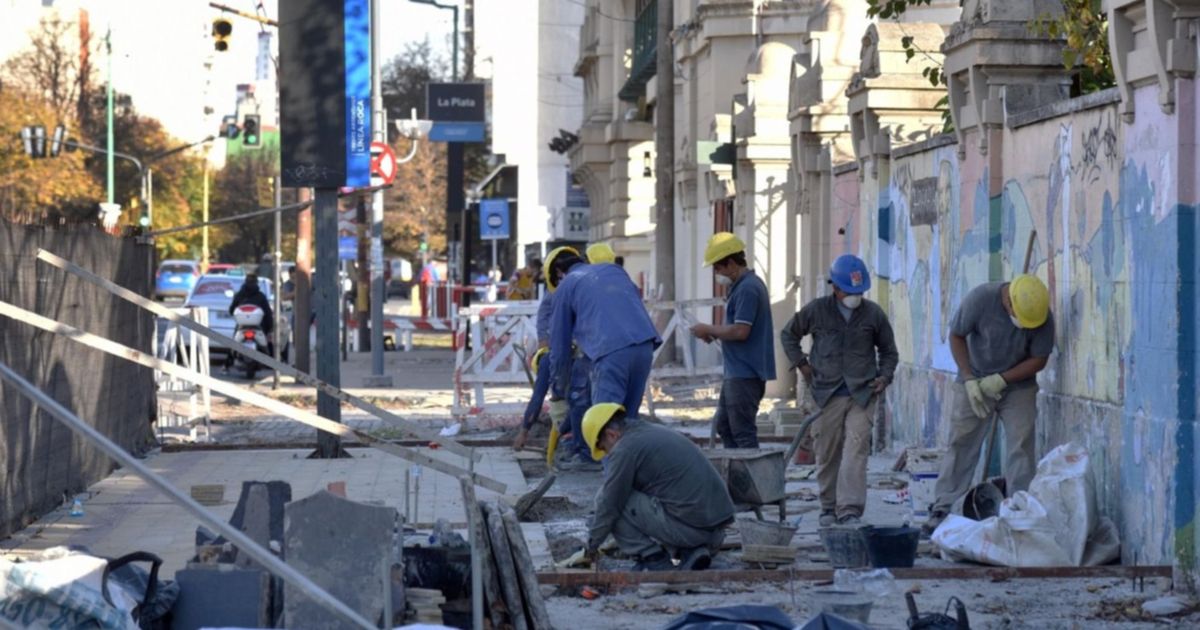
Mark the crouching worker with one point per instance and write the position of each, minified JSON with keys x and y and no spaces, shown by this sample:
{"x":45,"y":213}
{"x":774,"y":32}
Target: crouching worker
{"x":661,"y":497}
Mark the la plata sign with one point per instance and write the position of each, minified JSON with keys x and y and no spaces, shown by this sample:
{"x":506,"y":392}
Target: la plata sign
{"x":455,"y":102}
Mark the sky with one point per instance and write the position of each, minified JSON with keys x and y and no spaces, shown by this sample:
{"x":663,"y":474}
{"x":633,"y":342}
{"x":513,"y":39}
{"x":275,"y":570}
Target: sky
{"x":160,"y":48}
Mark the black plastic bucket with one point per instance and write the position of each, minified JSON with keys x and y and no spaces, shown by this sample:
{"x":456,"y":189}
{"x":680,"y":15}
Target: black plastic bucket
{"x":892,"y":547}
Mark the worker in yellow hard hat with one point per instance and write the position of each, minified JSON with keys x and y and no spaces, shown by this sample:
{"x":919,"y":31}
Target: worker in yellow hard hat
{"x":1001,"y":337}
{"x":523,"y":283}
{"x":600,"y":253}
{"x":661,"y":496}
{"x":747,"y":341}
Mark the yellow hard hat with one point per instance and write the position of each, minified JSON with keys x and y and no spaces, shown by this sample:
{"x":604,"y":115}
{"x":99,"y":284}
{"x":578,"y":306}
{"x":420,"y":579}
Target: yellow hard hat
{"x":1030,"y":300}
{"x":548,"y":268}
{"x":600,"y":253}
{"x":593,"y":423}
{"x":537,"y":358}
{"x":722,"y":244}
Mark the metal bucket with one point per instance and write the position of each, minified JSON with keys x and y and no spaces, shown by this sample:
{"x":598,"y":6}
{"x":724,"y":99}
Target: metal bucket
{"x":756,"y":532}
{"x":846,"y":546}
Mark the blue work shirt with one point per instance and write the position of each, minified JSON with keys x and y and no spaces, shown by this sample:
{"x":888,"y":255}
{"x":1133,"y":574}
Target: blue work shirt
{"x":598,"y":307}
{"x":545,"y":310}
{"x":749,"y":303}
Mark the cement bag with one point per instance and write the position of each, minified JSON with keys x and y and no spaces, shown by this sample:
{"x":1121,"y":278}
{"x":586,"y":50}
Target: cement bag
{"x":1103,"y":546}
{"x":1021,"y":536}
{"x":1063,"y":487}
{"x":62,"y":590}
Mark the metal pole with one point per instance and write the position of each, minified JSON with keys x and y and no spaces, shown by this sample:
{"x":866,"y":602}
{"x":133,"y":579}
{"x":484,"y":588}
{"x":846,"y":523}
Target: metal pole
{"x":109,"y":113}
{"x":149,"y":197}
{"x":328,"y":307}
{"x":204,"y":233}
{"x":378,"y":290}
{"x":236,"y":536}
{"x":303,"y":303}
{"x":276,"y":282}
{"x":454,"y":57}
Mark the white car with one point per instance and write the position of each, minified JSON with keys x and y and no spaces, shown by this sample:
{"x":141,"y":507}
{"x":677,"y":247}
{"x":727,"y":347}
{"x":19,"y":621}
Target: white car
{"x":215,"y":292}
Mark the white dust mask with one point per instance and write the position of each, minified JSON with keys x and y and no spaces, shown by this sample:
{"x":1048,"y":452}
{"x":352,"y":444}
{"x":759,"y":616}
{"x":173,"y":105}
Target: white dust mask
{"x":852,"y":301}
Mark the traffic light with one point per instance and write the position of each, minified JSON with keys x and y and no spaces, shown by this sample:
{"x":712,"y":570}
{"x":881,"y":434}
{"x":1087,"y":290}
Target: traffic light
{"x":221,"y":30}
{"x":250,"y":131}
{"x":229,"y":128}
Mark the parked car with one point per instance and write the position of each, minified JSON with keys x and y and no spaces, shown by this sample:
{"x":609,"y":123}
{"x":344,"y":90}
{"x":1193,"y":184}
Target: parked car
{"x":175,"y":278}
{"x":215,"y":292}
{"x":225,"y":269}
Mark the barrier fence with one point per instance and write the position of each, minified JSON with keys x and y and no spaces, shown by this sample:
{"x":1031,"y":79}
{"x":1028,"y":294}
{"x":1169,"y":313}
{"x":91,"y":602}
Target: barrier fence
{"x":501,"y":335}
{"x":181,"y":402}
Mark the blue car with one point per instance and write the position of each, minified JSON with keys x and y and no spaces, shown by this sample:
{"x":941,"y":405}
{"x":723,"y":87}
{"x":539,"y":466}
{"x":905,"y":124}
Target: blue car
{"x":175,"y":278}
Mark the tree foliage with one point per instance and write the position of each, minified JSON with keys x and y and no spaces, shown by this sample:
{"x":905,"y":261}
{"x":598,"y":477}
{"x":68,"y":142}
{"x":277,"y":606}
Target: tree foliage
{"x":1083,"y":25}
{"x":416,"y":203}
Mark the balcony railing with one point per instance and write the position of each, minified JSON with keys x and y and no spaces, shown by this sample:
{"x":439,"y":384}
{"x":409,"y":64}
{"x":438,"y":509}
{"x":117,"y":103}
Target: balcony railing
{"x":645,"y":37}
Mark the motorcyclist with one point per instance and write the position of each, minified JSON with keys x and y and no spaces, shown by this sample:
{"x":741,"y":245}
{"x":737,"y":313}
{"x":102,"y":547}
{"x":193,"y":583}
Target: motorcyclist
{"x":251,"y":293}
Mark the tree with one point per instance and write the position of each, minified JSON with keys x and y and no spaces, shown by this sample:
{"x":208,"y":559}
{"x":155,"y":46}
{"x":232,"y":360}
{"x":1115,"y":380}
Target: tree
{"x":55,"y":66}
{"x":405,"y":77}
{"x":242,"y":186}
{"x":1083,"y":25}
{"x":415,"y":207}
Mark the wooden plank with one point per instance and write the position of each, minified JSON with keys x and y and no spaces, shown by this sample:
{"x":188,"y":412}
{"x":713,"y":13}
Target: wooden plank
{"x":412,"y":428}
{"x":526,"y":572}
{"x":530,"y":499}
{"x":994,"y":574}
{"x":510,"y":585}
{"x":229,"y":389}
{"x":493,"y":600}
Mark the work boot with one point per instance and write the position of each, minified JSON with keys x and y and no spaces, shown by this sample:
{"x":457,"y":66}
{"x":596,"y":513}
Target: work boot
{"x":935,"y":518}
{"x":849,"y":520}
{"x":657,"y":561}
{"x":579,"y":464}
{"x":827,"y":519}
{"x":696,"y":559}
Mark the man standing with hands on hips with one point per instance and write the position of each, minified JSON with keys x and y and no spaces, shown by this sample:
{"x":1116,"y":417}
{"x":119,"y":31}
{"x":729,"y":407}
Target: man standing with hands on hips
{"x":852,"y":362}
{"x":1001,"y":337}
{"x":746,"y":341}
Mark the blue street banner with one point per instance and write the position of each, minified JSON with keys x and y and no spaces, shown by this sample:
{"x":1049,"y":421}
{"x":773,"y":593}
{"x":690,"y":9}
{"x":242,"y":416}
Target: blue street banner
{"x":493,"y":219}
{"x":357,"y":22}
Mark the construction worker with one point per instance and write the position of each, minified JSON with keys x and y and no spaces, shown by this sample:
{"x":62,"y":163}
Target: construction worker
{"x":746,"y":341}
{"x":661,"y":496}
{"x":566,"y":408}
{"x":598,"y":253}
{"x":852,"y":362}
{"x":598,"y":308}
{"x":523,"y":284}
{"x":1001,"y":336}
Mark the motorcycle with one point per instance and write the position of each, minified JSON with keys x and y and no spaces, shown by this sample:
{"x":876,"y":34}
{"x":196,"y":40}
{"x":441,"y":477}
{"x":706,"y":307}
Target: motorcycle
{"x":249,"y":334}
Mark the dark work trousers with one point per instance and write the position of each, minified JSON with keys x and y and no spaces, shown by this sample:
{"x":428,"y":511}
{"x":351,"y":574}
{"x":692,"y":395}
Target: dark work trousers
{"x":737,"y":412}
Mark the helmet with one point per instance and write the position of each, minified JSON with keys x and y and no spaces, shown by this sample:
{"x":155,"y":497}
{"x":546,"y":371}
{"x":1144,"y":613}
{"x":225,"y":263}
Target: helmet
{"x":1030,"y":300}
{"x":849,"y":273}
{"x":600,"y":253}
{"x":537,"y":358}
{"x":548,"y":268}
{"x":593,"y":423}
{"x":720,"y":245}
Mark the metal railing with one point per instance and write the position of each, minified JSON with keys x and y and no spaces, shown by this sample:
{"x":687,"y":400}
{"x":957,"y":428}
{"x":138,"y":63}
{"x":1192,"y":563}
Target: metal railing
{"x":645,"y":39}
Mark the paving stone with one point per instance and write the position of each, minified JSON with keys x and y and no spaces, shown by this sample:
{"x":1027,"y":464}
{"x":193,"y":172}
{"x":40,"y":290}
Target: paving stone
{"x":343,"y":546}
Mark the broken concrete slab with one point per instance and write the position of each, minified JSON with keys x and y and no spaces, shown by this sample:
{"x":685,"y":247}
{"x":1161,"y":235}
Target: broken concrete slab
{"x":344,"y":547}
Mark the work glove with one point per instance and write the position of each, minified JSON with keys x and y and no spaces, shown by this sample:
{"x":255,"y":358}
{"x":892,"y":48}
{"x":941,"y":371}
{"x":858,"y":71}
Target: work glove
{"x":992,"y":386}
{"x":977,"y":398}
{"x":558,"y":411}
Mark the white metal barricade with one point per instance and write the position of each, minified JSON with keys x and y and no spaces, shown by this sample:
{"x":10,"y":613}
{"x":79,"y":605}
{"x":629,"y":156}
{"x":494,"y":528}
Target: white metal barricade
{"x":181,"y":403}
{"x":497,"y":330}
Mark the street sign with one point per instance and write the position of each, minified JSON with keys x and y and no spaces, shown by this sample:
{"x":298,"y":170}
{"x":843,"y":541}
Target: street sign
{"x":456,"y":132}
{"x":325,"y":93}
{"x":455,"y":102}
{"x":383,"y":164}
{"x":493,"y":219}
{"x":347,"y":247}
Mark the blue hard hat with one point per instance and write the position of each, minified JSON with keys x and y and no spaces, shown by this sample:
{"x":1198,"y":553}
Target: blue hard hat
{"x":849,"y":273}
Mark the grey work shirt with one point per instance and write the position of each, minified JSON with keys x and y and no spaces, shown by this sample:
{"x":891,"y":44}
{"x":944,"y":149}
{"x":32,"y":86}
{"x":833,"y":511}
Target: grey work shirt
{"x":994,"y":344}
{"x":663,"y":464}
{"x":854,"y":352}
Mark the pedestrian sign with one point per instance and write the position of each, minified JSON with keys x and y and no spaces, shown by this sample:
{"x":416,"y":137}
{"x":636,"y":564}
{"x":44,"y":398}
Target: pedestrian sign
{"x":493,"y":219}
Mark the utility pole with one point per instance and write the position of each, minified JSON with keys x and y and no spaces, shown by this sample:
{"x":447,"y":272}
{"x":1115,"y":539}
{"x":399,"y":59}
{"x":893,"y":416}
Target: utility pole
{"x":303,"y":302}
{"x":329,"y":300}
{"x":204,"y":232}
{"x":276,"y":276}
{"x":378,"y":134}
{"x":362,"y":284}
{"x":664,"y":144}
{"x":109,"y":114}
